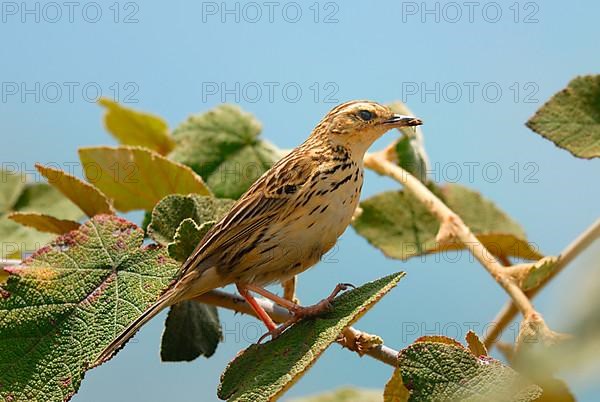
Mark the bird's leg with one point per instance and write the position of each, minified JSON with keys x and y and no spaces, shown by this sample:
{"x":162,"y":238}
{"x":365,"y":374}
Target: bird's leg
{"x":289,"y":289}
{"x":297,"y":311}
{"x":260,"y":312}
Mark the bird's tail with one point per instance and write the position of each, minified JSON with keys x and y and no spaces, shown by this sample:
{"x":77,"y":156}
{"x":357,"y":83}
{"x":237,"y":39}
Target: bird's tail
{"x":167,"y":299}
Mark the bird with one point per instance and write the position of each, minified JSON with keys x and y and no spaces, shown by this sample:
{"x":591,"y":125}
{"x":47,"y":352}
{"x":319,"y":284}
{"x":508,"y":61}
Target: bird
{"x":286,"y":221}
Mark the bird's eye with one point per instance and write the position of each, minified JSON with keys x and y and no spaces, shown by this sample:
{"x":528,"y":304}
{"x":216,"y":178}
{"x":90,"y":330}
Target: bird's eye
{"x":365,"y":115}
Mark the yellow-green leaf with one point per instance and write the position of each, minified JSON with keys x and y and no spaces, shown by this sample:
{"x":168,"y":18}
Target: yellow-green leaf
{"x":344,"y":394}
{"x":402,"y":227}
{"x":395,"y":391}
{"x":571,"y":118}
{"x":265,"y":371}
{"x":131,"y":127}
{"x":538,"y":272}
{"x":18,"y":240}
{"x":475,"y":345}
{"x":43,"y":222}
{"x":84,"y":195}
{"x":137,"y":178}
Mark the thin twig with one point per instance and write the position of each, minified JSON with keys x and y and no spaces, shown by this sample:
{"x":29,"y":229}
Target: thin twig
{"x":452,"y":226}
{"x":236,"y":303}
{"x":508,"y":312}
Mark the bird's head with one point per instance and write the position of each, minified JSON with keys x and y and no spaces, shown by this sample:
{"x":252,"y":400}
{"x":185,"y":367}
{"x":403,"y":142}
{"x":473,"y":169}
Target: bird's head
{"x":357,"y":124}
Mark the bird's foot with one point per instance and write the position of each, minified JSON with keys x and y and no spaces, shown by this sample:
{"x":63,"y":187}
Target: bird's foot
{"x":301,"y":312}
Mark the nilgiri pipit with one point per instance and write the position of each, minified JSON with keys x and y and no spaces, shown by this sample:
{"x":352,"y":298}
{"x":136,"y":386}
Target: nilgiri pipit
{"x":289,"y":218}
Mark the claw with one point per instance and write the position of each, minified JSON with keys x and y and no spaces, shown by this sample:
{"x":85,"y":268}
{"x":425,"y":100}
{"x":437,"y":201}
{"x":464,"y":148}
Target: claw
{"x":300,"y":312}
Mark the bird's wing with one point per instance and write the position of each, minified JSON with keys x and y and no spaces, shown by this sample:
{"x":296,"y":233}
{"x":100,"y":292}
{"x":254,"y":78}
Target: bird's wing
{"x":265,"y":200}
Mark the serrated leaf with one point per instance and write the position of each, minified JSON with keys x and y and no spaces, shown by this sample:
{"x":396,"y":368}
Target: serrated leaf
{"x":344,"y":394}
{"x":265,"y":371}
{"x":187,"y":237}
{"x":571,"y":118}
{"x":68,"y":301}
{"x":223,"y":146}
{"x":475,"y":345}
{"x":84,"y":195}
{"x":402,"y":227}
{"x":192,"y":329}
{"x":168,"y":214}
{"x":18,"y":240}
{"x":43,"y":222}
{"x":180,"y":222}
{"x":439,"y":371}
{"x":131,"y":127}
{"x":538,"y":272}
{"x":395,"y":391}
{"x":137,"y":178}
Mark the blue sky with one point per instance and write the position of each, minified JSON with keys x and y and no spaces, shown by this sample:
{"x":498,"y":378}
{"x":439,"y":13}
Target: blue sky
{"x":473,"y":75}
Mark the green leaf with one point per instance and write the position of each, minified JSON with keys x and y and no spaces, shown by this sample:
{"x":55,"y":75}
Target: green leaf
{"x":84,"y":195}
{"x":179,"y":222}
{"x":402,"y":227}
{"x":186,"y":238}
{"x":444,"y":372}
{"x":131,"y":127}
{"x":538,"y":273}
{"x":265,"y":371}
{"x":18,"y":240}
{"x":223,"y":146}
{"x":571,"y":118}
{"x":172,"y":210}
{"x":344,"y":394}
{"x":410,"y":149}
{"x":67,"y":302}
{"x":137,"y":178}
{"x":192,"y":329}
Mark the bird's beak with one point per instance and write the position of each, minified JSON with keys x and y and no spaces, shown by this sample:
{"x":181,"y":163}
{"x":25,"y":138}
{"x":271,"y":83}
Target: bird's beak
{"x":398,"y":120}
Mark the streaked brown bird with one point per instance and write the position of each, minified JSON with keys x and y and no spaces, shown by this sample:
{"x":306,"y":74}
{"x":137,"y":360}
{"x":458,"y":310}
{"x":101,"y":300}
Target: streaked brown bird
{"x":289,"y":218}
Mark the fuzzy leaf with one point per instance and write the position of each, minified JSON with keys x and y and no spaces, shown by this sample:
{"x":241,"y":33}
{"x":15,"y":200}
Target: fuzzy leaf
{"x":137,"y":178}
{"x":179,"y":222}
{"x":444,"y":372}
{"x":192,"y":329}
{"x":402,"y":227}
{"x":84,"y":195}
{"x":68,"y":301}
{"x":18,"y":240}
{"x":172,"y":210}
{"x":131,"y":127}
{"x":571,"y":118}
{"x":265,"y":371}
{"x":223,"y":146}
{"x":43,"y":222}
{"x":187,"y":237}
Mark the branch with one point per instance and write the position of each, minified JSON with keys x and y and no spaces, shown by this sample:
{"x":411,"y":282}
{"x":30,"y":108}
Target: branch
{"x":508,"y":312}
{"x":351,"y":338}
{"x":452,"y":226}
